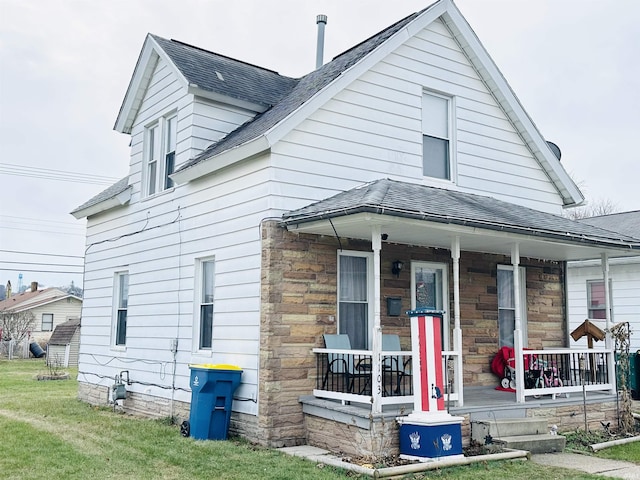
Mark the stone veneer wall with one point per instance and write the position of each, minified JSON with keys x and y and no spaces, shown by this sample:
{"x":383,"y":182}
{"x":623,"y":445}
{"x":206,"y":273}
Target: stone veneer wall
{"x":299,"y":278}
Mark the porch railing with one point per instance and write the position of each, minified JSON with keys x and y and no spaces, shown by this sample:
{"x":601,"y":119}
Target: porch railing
{"x":562,"y":371}
{"x":346,"y":375}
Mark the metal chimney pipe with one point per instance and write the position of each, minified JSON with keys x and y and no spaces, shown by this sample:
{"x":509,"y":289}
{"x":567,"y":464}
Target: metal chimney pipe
{"x":321,"y":20}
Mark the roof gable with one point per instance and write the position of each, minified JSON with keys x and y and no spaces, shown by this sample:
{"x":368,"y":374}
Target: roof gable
{"x":203,"y":73}
{"x":316,"y":88}
{"x":29,"y":299}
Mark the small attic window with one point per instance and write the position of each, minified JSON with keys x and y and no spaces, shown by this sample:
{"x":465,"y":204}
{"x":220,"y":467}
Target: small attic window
{"x":220,"y":77}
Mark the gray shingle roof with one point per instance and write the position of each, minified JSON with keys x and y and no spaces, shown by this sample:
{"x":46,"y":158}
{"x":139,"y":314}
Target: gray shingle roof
{"x":626,"y":222}
{"x":118,"y":187}
{"x":239,"y":79}
{"x":400,"y":199}
{"x":303,"y":91}
{"x":64,"y":332}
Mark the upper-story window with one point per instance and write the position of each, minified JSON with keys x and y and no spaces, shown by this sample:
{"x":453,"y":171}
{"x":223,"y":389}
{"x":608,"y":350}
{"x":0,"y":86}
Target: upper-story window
{"x":436,"y":136}
{"x":160,"y":154}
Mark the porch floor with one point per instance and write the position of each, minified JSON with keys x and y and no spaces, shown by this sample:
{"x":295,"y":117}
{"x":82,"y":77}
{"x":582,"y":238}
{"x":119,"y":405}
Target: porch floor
{"x":480,"y":403}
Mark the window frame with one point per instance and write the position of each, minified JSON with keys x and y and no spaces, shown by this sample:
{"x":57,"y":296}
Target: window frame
{"x":160,"y":146}
{"x":120,"y":307}
{"x":523,"y":305}
{"x":449,"y":137}
{"x":42,"y":324}
{"x":199,"y":303}
{"x":603,"y":309}
{"x":341,"y":323}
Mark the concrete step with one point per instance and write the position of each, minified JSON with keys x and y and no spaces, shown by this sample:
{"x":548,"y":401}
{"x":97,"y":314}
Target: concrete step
{"x":507,"y":427}
{"x":543,"y":443}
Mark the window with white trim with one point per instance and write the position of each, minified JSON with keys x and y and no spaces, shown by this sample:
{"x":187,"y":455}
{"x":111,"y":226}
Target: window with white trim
{"x":354,"y":297}
{"x":121,"y":297}
{"x":160,"y":154}
{"x":47,"y":322}
{"x":206,"y":295}
{"x":507,"y":305}
{"x":596,"y":308}
{"x":436,"y":136}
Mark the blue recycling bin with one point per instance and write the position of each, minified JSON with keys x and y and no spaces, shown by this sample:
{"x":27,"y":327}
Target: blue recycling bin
{"x":212,"y":388}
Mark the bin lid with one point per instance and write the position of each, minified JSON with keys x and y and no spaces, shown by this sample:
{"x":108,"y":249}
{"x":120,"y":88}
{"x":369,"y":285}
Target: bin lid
{"x":215,"y":366}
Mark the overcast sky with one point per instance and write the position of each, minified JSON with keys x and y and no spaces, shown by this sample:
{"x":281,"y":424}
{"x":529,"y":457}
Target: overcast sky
{"x":65,"y":66}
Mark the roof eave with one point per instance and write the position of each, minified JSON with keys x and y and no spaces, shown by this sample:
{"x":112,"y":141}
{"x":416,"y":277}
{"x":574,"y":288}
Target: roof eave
{"x":223,"y":160}
{"x":118,"y":200}
{"x":464,"y":222}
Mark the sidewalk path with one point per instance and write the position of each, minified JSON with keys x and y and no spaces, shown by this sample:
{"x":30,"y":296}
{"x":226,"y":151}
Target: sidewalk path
{"x":589,"y":464}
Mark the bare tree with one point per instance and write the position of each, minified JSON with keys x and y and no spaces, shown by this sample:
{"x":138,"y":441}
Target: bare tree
{"x":601,"y":206}
{"x":16,"y":325}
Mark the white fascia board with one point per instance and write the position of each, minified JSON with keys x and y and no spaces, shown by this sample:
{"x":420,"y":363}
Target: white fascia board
{"x":494,"y":79}
{"x":217,"y":97}
{"x":142,"y":73}
{"x":222,"y":160}
{"x":278,"y":131}
{"x":598,"y":262}
{"x":118,"y":200}
{"x":36,"y":304}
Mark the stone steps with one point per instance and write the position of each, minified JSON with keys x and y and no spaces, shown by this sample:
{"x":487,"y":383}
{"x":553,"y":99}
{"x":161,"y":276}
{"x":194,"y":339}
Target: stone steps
{"x":530,"y":434}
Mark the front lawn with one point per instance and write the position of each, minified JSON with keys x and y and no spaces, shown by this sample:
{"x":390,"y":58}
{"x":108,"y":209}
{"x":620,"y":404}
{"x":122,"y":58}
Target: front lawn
{"x":45,"y":432}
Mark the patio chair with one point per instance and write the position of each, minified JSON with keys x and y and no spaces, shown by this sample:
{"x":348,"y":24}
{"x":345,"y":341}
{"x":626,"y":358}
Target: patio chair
{"x":345,"y":365}
{"x":394,"y":364}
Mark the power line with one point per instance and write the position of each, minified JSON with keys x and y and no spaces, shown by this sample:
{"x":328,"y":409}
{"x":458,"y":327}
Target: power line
{"x":44,"y":254}
{"x":41,"y":230}
{"x":40,"y":263}
{"x":54,"y":174}
{"x":40,"y":271}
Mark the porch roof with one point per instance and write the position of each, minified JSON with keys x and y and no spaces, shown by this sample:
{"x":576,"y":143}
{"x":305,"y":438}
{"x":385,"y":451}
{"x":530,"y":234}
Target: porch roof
{"x":427,"y":216}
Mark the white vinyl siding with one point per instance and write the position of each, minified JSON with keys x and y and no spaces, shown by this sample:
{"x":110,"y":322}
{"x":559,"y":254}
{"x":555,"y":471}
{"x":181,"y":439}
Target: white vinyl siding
{"x":624,"y":274}
{"x":373,"y":129}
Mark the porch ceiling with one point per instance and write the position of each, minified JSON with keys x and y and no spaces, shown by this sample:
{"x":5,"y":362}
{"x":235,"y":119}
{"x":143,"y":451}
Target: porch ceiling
{"x":431,"y":234}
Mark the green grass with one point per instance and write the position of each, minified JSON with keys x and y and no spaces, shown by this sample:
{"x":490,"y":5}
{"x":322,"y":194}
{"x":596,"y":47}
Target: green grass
{"x":45,"y":432}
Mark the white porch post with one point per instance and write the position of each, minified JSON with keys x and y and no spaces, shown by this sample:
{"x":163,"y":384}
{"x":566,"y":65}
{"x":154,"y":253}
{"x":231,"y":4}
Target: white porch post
{"x":517,"y":333}
{"x":457,"y":331}
{"x":376,"y":359}
{"x":607,"y":308}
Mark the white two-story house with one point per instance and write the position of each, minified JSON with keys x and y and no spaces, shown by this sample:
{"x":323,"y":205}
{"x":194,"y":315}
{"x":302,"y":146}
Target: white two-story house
{"x":261,"y":212}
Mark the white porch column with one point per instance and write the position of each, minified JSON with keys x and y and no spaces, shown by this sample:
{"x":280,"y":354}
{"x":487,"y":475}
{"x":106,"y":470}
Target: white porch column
{"x":376,"y":344}
{"x":608,"y":340}
{"x":517,"y":333}
{"x":457,"y":331}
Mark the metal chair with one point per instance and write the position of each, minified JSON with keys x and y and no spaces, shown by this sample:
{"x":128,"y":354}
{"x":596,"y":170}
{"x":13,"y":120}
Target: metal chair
{"x":394,"y":364}
{"x":345,"y":365}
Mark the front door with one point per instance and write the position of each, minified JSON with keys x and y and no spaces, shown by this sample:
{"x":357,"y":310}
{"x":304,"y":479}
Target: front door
{"x":430,"y":290}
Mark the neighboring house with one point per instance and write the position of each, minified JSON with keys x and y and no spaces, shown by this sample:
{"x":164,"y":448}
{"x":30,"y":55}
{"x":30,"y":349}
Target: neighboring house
{"x":50,"y":307}
{"x":64,"y":344}
{"x":261,"y":212}
{"x":585,"y":287}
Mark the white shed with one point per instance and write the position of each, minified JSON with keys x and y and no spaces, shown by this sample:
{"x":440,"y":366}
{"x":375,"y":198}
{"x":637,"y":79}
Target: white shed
{"x":64,"y":344}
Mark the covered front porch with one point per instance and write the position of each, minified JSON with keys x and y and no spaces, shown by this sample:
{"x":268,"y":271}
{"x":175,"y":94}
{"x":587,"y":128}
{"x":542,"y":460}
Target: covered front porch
{"x":398,"y":221}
